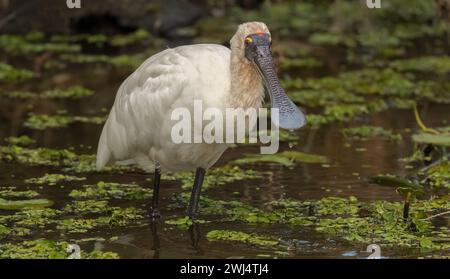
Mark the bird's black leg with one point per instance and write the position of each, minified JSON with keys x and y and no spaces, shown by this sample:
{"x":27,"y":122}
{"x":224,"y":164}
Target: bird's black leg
{"x":156,"y":247}
{"x":195,"y":195}
{"x":155,"y":201}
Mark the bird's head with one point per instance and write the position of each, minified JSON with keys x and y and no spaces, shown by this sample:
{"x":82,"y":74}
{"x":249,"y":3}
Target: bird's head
{"x":252,"y":42}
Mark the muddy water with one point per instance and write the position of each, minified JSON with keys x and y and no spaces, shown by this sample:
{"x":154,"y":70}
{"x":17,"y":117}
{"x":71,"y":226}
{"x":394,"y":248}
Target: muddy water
{"x":351,"y":163}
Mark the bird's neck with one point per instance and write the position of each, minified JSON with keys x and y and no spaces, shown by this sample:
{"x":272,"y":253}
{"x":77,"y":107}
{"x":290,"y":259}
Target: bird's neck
{"x":247,"y":89}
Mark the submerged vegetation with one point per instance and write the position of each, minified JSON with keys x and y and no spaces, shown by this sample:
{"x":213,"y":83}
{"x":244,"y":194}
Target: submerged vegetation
{"x":347,"y":66}
{"x":43,"y":121}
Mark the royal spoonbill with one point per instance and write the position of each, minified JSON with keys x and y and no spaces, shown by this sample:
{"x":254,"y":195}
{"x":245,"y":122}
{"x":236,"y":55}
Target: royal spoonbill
{"x":139,"y":124}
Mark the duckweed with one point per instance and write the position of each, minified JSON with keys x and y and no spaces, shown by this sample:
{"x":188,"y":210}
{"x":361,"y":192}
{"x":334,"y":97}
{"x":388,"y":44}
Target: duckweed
{"x":19,"y":45}
{"x":119,"y":217}
{"x":75,"y":92}
{"x":439,"y":175}
{"x":429,"y":64}
{"x":10,"y":74}
{"x":87,"y":207}
{"x":111,"y":190}
{"x":67,"y":160}
{"x":20,"y":141}
{"x":19,"y":204}
{"x":242,"y":237}
{"x":131,"y":38}
{"x":12,"y":194}
{"x":53,"y":179}
{"x":216,"y":177}
{"x":365,"y":132}
{"x":47,"y":249}
{"x":184,"y":222}
{"x":285,"y":158}
{"x":44,"y":121}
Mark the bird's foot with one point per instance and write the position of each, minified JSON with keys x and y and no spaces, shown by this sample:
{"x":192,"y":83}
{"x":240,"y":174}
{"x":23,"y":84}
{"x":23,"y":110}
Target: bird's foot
{"x":155,"y":214}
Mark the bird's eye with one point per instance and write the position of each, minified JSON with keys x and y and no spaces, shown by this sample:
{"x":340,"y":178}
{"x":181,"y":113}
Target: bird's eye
{"x":248,"y":40}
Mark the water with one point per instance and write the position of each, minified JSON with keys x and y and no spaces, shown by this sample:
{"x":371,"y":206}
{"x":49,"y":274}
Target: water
{"x":352,"y":162}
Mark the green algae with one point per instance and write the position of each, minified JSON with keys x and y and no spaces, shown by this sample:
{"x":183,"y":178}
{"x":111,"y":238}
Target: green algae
{"x":347,"y":218}
{"x":428,"y":64}
{"x":120,"y":61}
{"x":86,"y":207}
{"x":47,"y":249}
{"x":130,"y":39}
{"x":303,"y":157}
{"x":184,"y":222}
{"x":344,"y":97}
{"x":99,"y":40}
{"x":365,"y":83}
{"x":385,"y":226}
{"x":296,"y":63}
{"x":111,"y":190}
{"x":9,"y":74}
{"x":217,"y":176}
{"x":66,"y":159}
{"x":118,"y":217}
{"x":439,"y":175}
{"x":365,"y":132}
{"x":53,"y":179}
{"x":19,"y":204}
{"x":269,"y":158}
{"x":32,"y":217}
{"x":44,"y":121}
{"x":20,"y":141}
{"x":285,"y":158}
{"x":11,"y":193}
{"x":242,"y":237}
{"x":75,"y":92}
{"x":22,"y":45}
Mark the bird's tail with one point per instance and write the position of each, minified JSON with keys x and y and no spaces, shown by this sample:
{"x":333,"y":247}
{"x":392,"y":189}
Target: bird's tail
{"x":103,"y":152}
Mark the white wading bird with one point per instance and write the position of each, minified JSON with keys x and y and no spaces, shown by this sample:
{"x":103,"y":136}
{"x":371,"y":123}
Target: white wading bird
{"x":139,"y":125}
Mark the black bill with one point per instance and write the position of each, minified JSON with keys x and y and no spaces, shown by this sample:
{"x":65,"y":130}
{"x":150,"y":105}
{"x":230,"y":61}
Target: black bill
{"x":290,"y":117}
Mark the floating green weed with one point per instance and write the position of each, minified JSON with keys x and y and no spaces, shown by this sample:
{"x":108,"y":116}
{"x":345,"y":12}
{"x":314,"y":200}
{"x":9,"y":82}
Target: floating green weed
{"x":184,"y":222}
{"x":68,"y":160}
{"x":426,"y":64}
{"x":365,"y":132}
{"x":53,"y":179}
{"x":286,"y":158}
{"x":439,"y":175}
{"x":10,"y":193}
{"x":19,"y":204}
{"x":131,"y":38}
{"x":19,"y":45}
{"x":10,"y":74}
{"x":121,"y":61}
{"x":216,"y":176}
{"x":21,"y":141}
{"x":87,"y":207}
{"x":44,"y":121}
{"x":246,"y":238}
{"x":119,"y":217}
{"x":111,"y":190}
{"x":75,"y":92}
{"x":47,"y":249}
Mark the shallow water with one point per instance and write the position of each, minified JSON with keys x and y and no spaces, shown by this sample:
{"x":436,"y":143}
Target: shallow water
{"x":351,"y":163}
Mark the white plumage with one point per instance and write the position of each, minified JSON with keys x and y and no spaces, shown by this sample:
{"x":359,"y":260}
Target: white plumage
{"x":139,"y":125}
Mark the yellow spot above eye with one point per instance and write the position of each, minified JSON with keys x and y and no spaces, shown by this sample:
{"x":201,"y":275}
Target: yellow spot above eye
{"x":248,"y":40}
